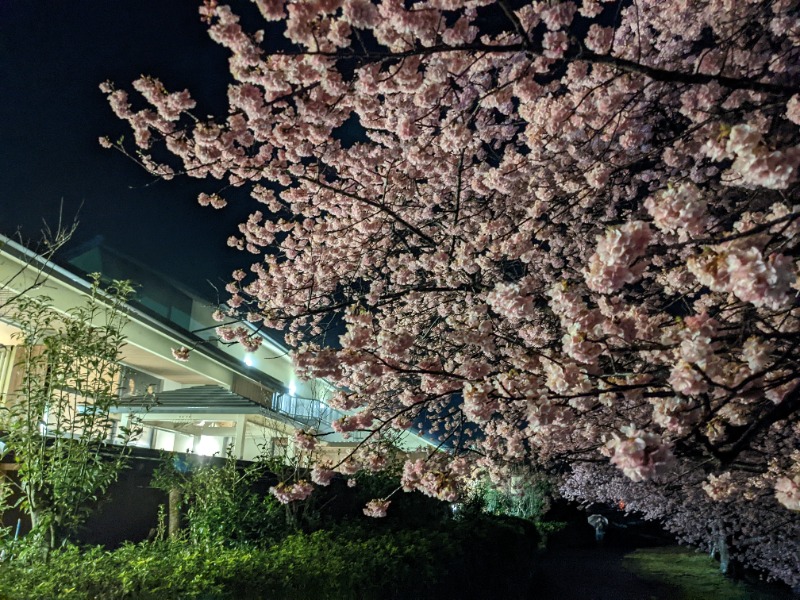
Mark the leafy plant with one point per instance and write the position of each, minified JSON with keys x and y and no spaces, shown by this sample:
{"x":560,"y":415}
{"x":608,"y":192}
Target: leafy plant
{"x":525,"y":496}
{"x":222,"y":506}
{"x":453,"y":560}
{"x":58,"y":422}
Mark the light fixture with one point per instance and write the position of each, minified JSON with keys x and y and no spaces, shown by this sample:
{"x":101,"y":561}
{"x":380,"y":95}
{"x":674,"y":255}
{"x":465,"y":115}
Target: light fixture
{"x":207,"y":446}
{"x":248,"y":359}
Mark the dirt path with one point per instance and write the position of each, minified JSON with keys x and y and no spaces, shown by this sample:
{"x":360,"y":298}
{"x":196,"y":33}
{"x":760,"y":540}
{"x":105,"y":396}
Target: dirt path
{"x":593,"y":574}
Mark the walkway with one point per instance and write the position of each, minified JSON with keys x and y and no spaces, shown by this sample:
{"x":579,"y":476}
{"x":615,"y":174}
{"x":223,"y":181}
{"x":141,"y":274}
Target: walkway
{"x":593,"y":574}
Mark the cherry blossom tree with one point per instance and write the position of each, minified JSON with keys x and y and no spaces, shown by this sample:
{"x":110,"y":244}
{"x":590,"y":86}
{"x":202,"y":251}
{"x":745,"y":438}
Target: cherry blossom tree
{"x":555,"y":232}
{"x":734,"y":515}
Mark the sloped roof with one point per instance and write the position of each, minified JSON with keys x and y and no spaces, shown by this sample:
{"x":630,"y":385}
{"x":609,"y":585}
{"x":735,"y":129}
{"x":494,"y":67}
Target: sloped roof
{"x":193,"y":400}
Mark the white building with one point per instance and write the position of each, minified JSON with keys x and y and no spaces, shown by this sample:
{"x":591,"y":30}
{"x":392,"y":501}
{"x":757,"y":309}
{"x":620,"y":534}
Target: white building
{"x":222,"y":397}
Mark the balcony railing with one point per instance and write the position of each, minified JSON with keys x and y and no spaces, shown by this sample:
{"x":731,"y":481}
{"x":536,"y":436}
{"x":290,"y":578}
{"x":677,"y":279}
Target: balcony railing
{"x":314,"y":413}
{"x":306,"y":410}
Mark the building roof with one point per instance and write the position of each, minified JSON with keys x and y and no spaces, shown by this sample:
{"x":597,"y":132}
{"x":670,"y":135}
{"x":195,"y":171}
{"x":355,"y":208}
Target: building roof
{"x":195,"y":400}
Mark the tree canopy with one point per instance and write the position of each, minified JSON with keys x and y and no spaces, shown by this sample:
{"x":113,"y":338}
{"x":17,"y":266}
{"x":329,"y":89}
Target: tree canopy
{"x":557,"y":233}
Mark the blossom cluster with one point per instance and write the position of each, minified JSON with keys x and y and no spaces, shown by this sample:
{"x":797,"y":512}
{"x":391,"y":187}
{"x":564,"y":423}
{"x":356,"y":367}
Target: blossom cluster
{"x":745,"y":273}
{"x":614,"y":262}
{"x":419,"y":475}
{"x":756,"y":164}
{"x":181,"y":354}
{"x":787,"y":487}
{"x":377,"y":508}
{"x":680,"y":210}
{"x":360,"y":420}
{"x":321,"y":475}
{"x":640,"y":455}
{"x":286,"y":493}
{"x":304,"y":440}
{"x":249,"y":340}
{"x":719,"y":487}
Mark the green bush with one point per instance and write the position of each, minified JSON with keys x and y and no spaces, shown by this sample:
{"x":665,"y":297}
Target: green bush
{"x":220,"y":504}
{"x":239,"y":543}
{"x":348,"y":562}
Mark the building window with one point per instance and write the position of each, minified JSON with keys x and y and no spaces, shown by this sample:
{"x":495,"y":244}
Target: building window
{"x":279,"y":446}
{"x":134,"y":383}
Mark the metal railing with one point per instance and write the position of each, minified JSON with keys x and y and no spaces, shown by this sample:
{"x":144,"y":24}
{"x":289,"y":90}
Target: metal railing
{"x":314,"y":413}
{"x":306,"y":410}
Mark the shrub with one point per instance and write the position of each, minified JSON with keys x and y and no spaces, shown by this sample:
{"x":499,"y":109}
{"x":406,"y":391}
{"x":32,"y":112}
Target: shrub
{"x":347,"y":562}
{"x":220,"y":503}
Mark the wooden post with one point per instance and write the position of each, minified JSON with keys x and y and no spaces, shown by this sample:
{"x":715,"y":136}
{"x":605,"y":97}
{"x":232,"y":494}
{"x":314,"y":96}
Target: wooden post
{"x":174,"y":512}
{"x":239,"y":439}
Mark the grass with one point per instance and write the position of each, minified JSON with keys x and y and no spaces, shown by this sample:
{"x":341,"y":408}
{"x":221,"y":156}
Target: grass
{"x":694,"y":573}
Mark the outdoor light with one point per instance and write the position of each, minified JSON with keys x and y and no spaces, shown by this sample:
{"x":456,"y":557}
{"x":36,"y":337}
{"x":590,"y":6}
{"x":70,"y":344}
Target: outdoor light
{"x":207,"y":446}
{"x":248,"y":359}
{"x":292,"y":389}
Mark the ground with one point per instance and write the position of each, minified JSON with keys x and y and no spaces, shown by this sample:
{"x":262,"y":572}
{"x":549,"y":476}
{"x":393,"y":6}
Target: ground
{"x":624,"y":573}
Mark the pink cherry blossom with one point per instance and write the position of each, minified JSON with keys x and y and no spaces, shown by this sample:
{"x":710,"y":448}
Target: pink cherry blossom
{"x":478,"y":405}
{"x":361,"y":420}
{"x":756,"y":354}
{"x":510,"y":301}
{"x":787,"y":491}
{"x":250,"y":343}
{"x":293,"y":492}
{"x":758,"y":165}
{"x":680,"y":210}
{"x":360,"y":13}
{"x":639,"y":455}
{"x":321,"y":475}
{"x":377,"y":508}
{"x":304,"y":441}
{"x":212,"y":200}
{"x":793,"y":109}
{"x":745,"y":273}
{"x":181,"y":354}
{"x":613,"y":263}
{"x":685,"y":379}
{"x":551,"y":243}
{"x":719,"y":488}
{"x":559,"y":15}
{"x":429,"y":480}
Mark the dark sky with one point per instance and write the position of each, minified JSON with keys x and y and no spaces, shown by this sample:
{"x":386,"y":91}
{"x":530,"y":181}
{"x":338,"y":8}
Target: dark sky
{"x":53,"y":56}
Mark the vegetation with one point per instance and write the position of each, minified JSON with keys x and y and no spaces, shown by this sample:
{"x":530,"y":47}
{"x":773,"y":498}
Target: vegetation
{"x":694,"y":573}
{"x":239,"y":541}
{"x":527,"y":495}
{"x":345,"y":562}
{"x":220,"y":503}
{"x":562,"y":234}
{"x":57,"y":423}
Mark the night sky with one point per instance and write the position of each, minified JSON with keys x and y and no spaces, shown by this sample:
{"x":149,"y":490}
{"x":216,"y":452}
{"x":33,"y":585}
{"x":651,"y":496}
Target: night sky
{"x":53,"y":56}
